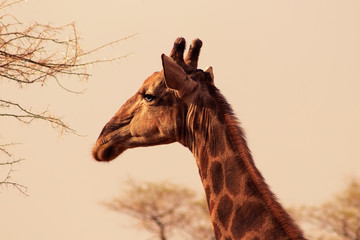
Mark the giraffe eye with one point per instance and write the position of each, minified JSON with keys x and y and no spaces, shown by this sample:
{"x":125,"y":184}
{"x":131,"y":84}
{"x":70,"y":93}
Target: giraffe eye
{"x":149,"y":97}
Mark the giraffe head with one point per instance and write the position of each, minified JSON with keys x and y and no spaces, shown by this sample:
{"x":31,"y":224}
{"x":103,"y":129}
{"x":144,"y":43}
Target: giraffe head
{"x":156,"y":114}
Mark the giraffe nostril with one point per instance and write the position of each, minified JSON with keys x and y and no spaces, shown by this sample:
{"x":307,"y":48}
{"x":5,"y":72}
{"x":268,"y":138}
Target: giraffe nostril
{"x":114,"y":126}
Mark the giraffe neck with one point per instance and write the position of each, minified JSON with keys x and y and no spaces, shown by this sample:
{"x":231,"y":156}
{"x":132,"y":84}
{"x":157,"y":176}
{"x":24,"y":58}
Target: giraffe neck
{"x":236,"y":207}
{"x":240,"y":203}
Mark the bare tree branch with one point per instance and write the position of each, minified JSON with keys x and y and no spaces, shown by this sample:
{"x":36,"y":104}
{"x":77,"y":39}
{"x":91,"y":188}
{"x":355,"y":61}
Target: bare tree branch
{"x":27,"y":117}
{"x":37,"y":53}
{"x":34,"y":54}
{"x":6,"y":3}
{"x":7,"y":181}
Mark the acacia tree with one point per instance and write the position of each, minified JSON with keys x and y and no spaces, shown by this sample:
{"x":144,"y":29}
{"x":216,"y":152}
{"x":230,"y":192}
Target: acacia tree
{"x":338,"y":218}
{"x":200,"y":225}
{"x":35,"y":54}
{"x":165,"y":210}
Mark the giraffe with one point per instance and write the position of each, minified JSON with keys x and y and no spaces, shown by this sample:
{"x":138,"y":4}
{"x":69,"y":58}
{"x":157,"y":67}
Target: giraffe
{"x":181,"y":104}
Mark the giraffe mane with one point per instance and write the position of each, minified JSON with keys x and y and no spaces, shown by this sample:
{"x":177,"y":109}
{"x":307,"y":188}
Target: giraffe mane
{"x":237,"y":136}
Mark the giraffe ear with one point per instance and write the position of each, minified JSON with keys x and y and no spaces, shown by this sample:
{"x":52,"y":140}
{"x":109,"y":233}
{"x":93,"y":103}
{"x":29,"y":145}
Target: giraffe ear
{"x":211,"y":73}
{"x":176,"y":78}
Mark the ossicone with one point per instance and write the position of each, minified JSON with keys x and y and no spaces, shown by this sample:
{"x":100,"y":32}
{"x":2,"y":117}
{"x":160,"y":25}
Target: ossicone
{"x":191,"y":60}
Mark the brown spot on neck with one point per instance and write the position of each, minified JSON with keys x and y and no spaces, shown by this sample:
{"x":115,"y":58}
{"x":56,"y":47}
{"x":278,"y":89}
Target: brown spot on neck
{"x":217,"y":177}
{"x":224,"y":211}
{"x":248,"y":217}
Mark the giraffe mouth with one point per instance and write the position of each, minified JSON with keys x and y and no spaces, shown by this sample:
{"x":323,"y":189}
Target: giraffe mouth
{"x":106,"y":153}
{"x":111,"y":142}
{"x":106,"y":150}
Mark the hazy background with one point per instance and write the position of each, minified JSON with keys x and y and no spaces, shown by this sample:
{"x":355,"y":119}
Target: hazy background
{"x":290,"y":69}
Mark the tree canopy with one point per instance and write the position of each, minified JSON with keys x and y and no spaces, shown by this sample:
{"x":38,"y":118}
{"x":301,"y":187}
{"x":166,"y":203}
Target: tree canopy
{"x":338,"y":218}
{"x":164,"y":210}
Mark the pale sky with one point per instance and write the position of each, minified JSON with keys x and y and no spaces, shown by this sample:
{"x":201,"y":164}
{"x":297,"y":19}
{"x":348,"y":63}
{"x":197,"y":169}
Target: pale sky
{"x":290,"y":69}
